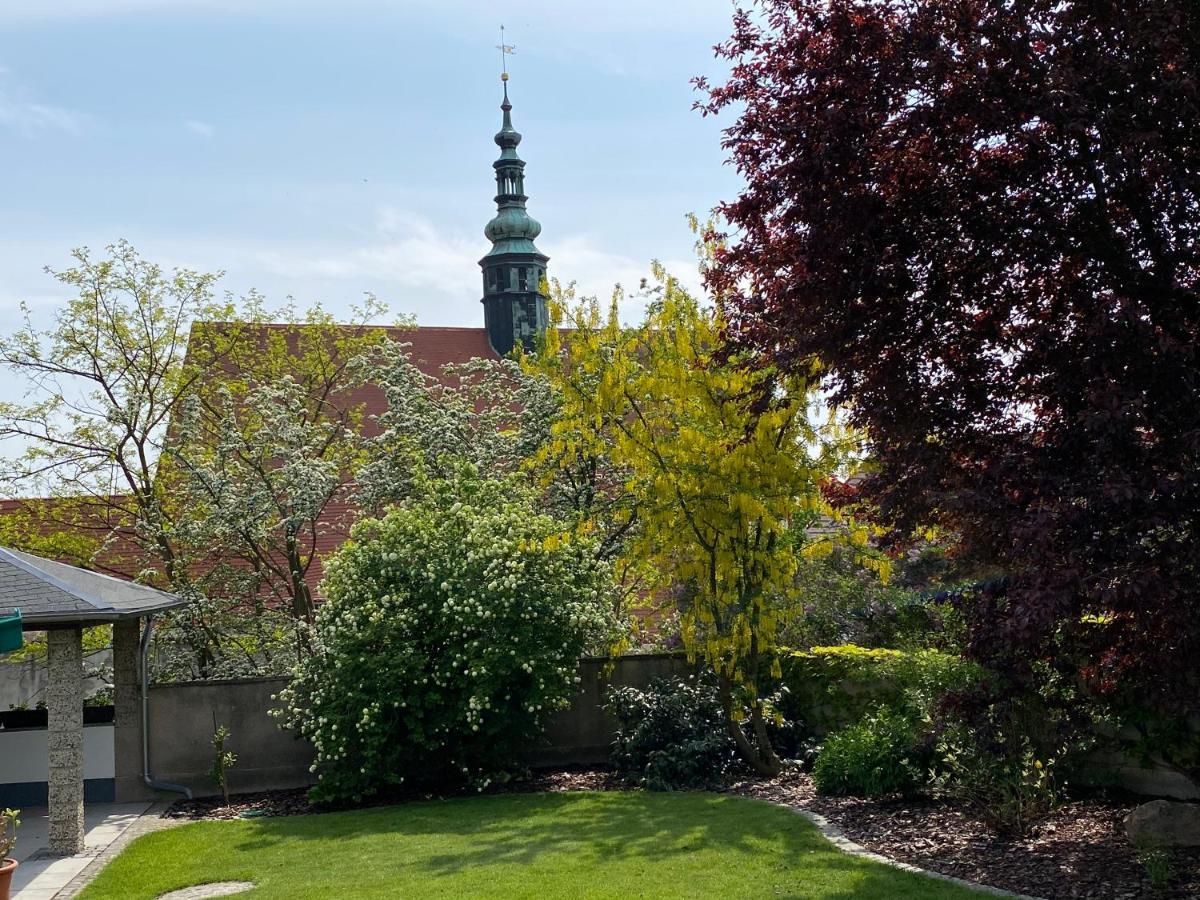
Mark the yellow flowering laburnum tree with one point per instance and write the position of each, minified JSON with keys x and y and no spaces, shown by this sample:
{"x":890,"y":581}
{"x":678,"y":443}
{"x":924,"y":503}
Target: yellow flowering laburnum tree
{"x":724,"y":462}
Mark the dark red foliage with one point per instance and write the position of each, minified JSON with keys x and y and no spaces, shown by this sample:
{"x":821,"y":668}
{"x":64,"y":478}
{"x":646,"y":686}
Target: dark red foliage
{"x":840,"y":494}
{"x":983,"y":218}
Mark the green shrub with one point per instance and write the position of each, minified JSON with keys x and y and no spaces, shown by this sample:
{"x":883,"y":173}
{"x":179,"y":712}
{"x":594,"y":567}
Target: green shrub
{"x":672,"y":734}
{"x":223,"y":760}
{"x":845,"y":603}
{"x":452,"y":630}
{"x":830,"y":688}
{"x":876,"y":757}
{"x":1006,"y":781}
{"x":1158,"y":864}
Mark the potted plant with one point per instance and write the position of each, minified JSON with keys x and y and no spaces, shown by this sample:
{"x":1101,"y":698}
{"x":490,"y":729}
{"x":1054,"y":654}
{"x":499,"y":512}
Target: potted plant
{"x":8,"y":838}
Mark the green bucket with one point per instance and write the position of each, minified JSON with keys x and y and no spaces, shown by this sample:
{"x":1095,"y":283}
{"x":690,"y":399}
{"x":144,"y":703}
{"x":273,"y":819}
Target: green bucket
{"x":10,"y":631}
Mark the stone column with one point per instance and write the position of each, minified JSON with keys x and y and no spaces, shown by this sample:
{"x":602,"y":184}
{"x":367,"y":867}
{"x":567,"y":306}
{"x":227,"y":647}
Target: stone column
{"x":64,"y":703}
{"x":127,"y":721}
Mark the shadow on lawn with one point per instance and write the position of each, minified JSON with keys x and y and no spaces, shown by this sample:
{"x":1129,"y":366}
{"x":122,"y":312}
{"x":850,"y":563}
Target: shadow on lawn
{"x":657,"y":828}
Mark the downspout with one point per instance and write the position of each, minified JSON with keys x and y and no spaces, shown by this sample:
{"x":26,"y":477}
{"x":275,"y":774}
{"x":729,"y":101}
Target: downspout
{"x":149,"y":779}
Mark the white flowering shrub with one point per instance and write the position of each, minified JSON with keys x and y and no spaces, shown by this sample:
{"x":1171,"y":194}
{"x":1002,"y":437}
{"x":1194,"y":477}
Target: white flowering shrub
{"x":451,"y":630}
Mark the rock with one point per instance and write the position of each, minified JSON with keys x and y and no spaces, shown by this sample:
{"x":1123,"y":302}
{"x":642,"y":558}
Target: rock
{"x":1164,"y":823}
{"x":1108,"y":768}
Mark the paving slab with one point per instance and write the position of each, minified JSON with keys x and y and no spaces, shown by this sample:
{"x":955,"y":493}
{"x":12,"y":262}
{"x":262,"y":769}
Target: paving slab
{"x":43,"y":876}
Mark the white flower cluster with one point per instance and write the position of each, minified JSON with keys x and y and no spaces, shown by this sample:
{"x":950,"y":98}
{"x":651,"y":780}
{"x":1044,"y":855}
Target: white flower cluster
{"x":450,"y":633}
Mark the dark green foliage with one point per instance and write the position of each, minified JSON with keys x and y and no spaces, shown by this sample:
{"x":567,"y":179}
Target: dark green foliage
{"x":829,"y":688}
{"x":876,"y":757}
{"x":1144,"y":734}
{"x":1159,"y":863}
{"x":1004,"y":754}
{"x":845,"y":603}
{"x":672,"y":734}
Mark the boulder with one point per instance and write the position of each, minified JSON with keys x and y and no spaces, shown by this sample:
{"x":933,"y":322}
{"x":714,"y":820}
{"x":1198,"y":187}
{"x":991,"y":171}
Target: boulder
{"x":1164,"y":823}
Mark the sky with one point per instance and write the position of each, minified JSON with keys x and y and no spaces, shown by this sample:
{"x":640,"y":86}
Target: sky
{"x":321,"y":150}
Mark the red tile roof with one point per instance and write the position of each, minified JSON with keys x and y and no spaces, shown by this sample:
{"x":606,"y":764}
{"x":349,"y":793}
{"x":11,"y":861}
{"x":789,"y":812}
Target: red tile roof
{"x":430,"y":350}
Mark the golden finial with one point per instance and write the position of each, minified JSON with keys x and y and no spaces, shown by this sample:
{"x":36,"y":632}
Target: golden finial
{"x":505,"y":50}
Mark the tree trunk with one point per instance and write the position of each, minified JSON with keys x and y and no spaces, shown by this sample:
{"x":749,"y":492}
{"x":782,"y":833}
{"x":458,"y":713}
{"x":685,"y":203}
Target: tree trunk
{"x":302,"y":602}
{"x":761,"y":757}
{"x":763,"y":740}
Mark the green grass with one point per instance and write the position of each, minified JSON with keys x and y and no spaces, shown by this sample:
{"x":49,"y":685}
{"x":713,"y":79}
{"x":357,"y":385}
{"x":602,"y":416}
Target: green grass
{"x":511,"y":846}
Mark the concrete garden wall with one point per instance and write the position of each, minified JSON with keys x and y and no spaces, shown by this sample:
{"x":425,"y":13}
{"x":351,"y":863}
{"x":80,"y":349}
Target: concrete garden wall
{"x":23,"y":684}
{"x":182,"y":725}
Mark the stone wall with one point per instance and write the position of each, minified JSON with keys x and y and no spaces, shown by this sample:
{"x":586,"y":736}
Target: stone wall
{"x":182,"y":718}
{"x":181,"y":727}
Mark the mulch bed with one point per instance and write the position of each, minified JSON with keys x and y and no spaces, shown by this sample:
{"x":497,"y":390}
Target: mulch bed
{"x":1079,"y":852}
{"x":266,"y":803}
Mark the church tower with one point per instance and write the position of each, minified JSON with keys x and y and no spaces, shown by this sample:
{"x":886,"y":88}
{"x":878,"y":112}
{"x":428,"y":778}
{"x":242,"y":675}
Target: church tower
{"x":514,"y":307}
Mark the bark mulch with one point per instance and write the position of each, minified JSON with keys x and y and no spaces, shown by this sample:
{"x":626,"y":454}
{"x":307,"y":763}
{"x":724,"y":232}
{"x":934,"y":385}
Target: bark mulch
{"x":1080,"y":851}
{"x":266,"y":803}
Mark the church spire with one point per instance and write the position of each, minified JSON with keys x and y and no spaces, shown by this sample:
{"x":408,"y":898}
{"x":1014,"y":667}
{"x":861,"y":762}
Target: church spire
{"x":513,"y":270}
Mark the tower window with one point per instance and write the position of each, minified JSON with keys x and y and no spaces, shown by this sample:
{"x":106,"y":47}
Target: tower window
{"x":523,"y":279}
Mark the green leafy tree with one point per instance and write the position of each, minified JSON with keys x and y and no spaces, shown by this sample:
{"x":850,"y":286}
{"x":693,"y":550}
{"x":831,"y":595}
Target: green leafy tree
{"x":487,"y":413}
{"x":104,"y":381}
{"x":188,"y":441}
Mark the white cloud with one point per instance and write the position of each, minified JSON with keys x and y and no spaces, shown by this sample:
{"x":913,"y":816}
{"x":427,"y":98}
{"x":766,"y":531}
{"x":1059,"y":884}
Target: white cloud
{"x":29,"y":119}
{"x":203,"y":129}
{"x":408,"y":252}
{"x":597,"y":272}
{"x":415,"y":264}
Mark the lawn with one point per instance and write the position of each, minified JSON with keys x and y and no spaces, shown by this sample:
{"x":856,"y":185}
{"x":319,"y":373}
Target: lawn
{"x":523,"y":845}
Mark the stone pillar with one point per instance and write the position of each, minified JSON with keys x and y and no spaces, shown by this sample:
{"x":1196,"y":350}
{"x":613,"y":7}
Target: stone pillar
{"x":127,"y":703}
{"x":64,"y":703}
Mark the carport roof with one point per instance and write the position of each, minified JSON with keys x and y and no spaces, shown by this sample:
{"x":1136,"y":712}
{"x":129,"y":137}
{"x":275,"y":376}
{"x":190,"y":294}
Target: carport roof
{"x":52,"y":594}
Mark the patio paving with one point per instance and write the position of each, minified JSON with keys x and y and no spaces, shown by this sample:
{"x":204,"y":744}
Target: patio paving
{"x":41,"y":876}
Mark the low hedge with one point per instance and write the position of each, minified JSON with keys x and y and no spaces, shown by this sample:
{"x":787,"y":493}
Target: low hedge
{"x":829,"y":688}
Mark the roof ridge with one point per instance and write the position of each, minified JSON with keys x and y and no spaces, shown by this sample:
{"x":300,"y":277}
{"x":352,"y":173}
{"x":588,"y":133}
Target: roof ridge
{"x":13,"y":557}
{"x":19,"y":558}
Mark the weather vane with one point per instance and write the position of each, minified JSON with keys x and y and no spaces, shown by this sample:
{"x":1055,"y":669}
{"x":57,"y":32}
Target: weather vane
{"x":505,"y":50}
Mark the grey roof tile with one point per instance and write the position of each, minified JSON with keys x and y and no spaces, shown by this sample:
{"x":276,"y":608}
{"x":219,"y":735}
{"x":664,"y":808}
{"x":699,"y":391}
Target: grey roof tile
{"x":48,"y":592}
